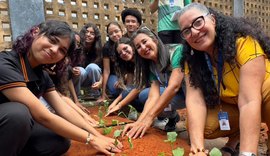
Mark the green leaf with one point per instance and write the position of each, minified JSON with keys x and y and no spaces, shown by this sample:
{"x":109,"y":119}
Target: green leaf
{"x":215,"y":152}
{"x":161,"y":154}
{"x":130,"y":143}
{"x":178,"y":152}
{"x":117,"y":133}
{"x":101,"y":123}
{"x":100,"y":113}
{"x":115,"y":122}
{"x":107,"y":130}
{"x":171,"y":137}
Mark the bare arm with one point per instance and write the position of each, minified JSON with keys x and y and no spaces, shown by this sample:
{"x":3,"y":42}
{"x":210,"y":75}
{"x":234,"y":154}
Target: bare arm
{"x":196,"y":115}
{"x":57,"y":124}
{"x":67,"y":112}
{"x":139,"y":128}
{"x":249,"y":102}
{"x":43,"y":116}
{"x":72,"y":91}
{"x":173,"y":87}
{"x":105,"y":76}
{"x":154,"y":6}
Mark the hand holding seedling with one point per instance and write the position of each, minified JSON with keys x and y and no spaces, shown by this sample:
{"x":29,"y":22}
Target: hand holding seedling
{"x":106,"y":145}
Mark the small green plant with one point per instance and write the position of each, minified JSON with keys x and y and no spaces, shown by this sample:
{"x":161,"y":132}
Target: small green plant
{"x":171,"y":137}
{"x":106,"y":105}
{"x":100,"y":116}
{"x":107,"y":130}
{"x":116,"y":134}
{"x":161,"y":154}
{"x":130,"y":143}
{"x":115,"y":122}
{"x":178,"y":151}
{"x":215,"y":152}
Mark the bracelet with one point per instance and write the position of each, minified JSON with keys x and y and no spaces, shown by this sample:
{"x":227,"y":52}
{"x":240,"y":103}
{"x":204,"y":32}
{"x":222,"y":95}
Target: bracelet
{"x":247,"y":154}
{"x":88,"y":139}
{"x":198,"y":151}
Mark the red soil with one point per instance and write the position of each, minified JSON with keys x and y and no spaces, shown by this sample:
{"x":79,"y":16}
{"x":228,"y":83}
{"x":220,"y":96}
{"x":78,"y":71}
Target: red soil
{"x":150,"y":145}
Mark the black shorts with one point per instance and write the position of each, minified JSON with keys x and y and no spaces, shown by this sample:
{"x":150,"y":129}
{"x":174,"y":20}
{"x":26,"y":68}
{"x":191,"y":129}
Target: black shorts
{"x":170,"y":36}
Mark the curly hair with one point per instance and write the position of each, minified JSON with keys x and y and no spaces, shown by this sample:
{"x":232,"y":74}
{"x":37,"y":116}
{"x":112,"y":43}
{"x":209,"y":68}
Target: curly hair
{"x":228,"y":30}
{"x":49,"y":29}
{"x":95,"y":52}
{"x":142,"y":65}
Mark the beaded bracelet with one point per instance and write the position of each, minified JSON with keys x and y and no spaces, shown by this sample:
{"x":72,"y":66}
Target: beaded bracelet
{"x":198,"y":151}
{"x":88,"y":139}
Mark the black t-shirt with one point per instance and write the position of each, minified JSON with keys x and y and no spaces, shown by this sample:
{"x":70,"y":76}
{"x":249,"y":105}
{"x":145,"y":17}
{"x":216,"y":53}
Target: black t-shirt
{"x":17,"y":72}
{"x":109,"y":52}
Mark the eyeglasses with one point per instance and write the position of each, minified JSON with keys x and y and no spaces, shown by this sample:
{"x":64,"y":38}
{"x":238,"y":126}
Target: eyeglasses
{"x":197,"y":24}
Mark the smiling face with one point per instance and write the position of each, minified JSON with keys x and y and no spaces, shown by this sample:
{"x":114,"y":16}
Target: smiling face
{"x":48,"y":50}
{"x":90,"y":35}
{"x":146,"y":46}
{"x":125,"y":51}
{"x":114,"y":32}
{"x":131,"y":23}
{"x":200,"y":39}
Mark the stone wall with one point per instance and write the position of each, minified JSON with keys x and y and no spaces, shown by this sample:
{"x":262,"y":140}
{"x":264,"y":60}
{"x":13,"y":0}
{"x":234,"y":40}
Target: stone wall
{"x":101,"y":12}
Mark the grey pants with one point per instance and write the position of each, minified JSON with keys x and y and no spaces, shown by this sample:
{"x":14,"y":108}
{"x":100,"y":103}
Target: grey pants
{"x":21,"y":135}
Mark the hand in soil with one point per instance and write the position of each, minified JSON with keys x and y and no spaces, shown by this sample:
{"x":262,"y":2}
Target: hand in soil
{"x":91,"y":121}
{"x":113,"y":109}
{"x":106,"y":144}
{"x":137,"y":129}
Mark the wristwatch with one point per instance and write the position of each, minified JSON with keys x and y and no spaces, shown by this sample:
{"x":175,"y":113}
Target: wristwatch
{"x":247,"y":154}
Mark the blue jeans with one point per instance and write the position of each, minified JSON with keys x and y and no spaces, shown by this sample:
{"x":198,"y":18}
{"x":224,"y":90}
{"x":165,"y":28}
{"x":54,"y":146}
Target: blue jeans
{"x":178,"y":102}
{"x":89,"y":76}
{"x":137,"y":103}
{"x":110,"y":85}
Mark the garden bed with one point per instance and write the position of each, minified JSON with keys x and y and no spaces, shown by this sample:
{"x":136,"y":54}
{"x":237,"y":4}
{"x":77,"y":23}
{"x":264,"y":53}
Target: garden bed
{"x":152,"y":144}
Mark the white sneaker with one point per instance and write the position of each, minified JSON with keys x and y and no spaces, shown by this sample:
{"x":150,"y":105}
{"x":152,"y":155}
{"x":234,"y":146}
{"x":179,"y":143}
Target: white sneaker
{"x":160,"y":124}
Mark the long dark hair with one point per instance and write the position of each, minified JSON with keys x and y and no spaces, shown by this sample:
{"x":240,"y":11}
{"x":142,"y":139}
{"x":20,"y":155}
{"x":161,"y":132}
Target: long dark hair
{"x":228,"y":29}
{"x":142,"y":66}
{"x":95,"y":52}
{"x":49,"y":29}
{"x":110,"y":45}
{"x":123,"y":67}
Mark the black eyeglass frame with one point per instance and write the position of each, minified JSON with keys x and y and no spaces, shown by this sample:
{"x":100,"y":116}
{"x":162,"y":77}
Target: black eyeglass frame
{"x":192,"y":26}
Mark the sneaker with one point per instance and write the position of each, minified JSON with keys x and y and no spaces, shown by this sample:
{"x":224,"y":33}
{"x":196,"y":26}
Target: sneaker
{"x":133,"y":115}
{"x":160,"y":124}
{"x":94,"y":93}
{"x":171,"y":125}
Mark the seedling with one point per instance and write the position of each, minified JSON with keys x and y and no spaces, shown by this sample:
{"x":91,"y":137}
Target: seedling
{"x":115,"y":122}
{"x":215,"y":152}
{"x":106,"y":105}
{"x":100,"y":115}
{"x":161,"y":154}
{"x":107,"y":130}
{"x":171,"y":137}
{"x":178,"y":151}
{"x":116,"y":134}
{"x":130,"y":143}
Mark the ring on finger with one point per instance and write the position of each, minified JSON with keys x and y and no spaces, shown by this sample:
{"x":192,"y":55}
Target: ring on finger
{"x":111,"y":149}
